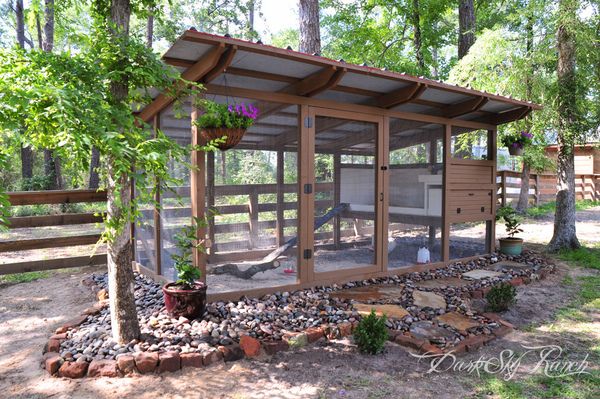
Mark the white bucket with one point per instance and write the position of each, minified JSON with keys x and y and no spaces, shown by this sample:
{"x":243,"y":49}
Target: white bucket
{"x":423,"y":255}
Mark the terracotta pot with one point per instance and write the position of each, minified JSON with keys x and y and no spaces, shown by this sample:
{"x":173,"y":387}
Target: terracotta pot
{"x":511,"y":245}
{"x":515,"y":150}
{"x":187,"y":303}
{"x":232,"y":136}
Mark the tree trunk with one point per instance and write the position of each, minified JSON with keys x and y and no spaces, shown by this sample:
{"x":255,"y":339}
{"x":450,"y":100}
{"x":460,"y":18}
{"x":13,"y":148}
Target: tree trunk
{"x":466,"y":27}
{"x":26,"y":153}
{"x":123,"y":314}
{"x":150,"y":30}
{"x":310,"y":33}
{"x":523,"y":203}
{"x":48,"y":43}
{"x":94,"y":179}
{"x":565,"y":235}
{"x":524,"y":193}
{"x":416,"y":22}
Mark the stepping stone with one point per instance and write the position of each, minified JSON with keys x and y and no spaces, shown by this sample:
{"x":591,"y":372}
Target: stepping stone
{"x":424,"y":299}
{"x":480,"y":274}
{"x":369,"y":293}
{"x":443,"y":283}
{"x":426,"y":330}
{"x":508,"y":264}
{"x":457,"y":320}
{"x":391,"y":311}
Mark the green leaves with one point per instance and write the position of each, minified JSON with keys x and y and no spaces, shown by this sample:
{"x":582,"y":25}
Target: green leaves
{"x":371,"y":334}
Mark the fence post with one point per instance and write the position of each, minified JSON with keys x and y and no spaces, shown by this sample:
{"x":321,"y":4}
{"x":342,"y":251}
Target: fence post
{"x":280,"y":198}
{"x":537,"y":189}
{"x":503,"y":187}
{"x":253,"y":214}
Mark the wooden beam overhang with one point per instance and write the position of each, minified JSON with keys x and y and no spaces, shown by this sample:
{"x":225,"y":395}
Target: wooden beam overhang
{"x":222,"y":65}
{"x":194,"y":74}
{"x":465,"y":107}
{"x":400,"y":96}
{"x":508,"y":116}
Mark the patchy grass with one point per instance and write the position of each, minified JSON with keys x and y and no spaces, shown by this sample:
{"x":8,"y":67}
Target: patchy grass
{"x":23,"y":277}
{"x":549,"y":208}
{"x":588,"y":257}
{"x":578,"y":321}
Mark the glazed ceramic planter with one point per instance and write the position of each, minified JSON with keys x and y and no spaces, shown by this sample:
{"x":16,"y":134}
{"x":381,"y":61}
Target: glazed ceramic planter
{"x":189,"y":303}
{"x":511,"y":245}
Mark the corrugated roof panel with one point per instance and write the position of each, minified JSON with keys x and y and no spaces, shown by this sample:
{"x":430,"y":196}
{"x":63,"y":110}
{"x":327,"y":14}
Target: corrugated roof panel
{"x":276,"y":65}
{"x":245,"y":82}
{"x":416,"y":108}
{"x":369,"y":82}
{"x":189,"y":51}
{"x":343,"y":97}
{"x":444,"y":97}
{"x":497,"y":106}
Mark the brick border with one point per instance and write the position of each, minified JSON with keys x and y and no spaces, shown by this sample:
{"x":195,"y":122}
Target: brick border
{"x":250,"y":347}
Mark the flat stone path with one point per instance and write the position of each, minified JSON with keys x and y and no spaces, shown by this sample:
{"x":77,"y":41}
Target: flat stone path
{"x":369,"y":293}
{"x":454,"y":282}
{"x":427,"y":330}
{"x":458,"y":321}
{"x":424,"y":299}
{"x":479,"y":274}
{"x":391,"y":311}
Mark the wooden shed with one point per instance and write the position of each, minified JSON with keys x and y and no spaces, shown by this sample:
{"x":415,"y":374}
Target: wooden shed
{"x":352,"y":172}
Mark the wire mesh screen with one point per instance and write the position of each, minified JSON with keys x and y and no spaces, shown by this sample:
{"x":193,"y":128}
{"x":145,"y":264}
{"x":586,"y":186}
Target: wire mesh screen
{"x":175,"y":199}
{"x":415,"y":194}
{"x":469,"y":144}
{"x":252,"y":189}
{"x":145,"y":253}
{"x":468,"y":239}
{"x":345,"y":212}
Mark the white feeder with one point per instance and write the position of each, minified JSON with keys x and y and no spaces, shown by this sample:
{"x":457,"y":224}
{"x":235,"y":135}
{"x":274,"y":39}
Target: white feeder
{"x":423,"y":255}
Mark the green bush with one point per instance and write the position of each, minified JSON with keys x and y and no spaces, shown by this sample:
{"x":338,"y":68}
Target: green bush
{"x":501,"y":297}
{"x":371,"y":334}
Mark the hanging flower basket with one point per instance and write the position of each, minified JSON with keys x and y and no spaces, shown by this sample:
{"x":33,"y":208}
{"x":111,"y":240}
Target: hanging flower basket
{"x":224,"y":137}
{"x":516,"y":141}
{"x":516,"y":150}
{"x":224,"y":126}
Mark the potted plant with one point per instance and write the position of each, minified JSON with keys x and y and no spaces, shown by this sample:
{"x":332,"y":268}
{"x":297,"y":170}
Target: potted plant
{"x":516,"y":141}
{"x":187,"y":296}
{"x":225,"y":125}
{"x":510,"y":245}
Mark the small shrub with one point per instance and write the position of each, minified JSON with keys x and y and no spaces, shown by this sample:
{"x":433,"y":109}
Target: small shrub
{"x":501,"y":297}
{"x":371,"y":334}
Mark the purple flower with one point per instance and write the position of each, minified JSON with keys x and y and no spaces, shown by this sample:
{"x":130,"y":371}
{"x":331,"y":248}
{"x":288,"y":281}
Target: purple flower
{"x":230,"y":108}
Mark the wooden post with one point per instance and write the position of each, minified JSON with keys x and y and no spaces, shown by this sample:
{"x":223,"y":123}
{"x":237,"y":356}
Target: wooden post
{"x":432,"y":160}
{"x":306,"y":214}
{"x":503,"y":187}
{"x":537,"y":189}
{"x":198,"y":192}
{"x":280,"y":198}
{"x":210,"y":194}
{"x":491,"y":224}
{"x":445,"y":202}
{"x":583,"y":187}
{"x":337,"y":161}
{"x":157,"y":235}
{"x":253,"y":218}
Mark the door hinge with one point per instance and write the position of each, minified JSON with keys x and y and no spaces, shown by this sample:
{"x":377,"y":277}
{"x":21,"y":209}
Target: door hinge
{"x":307,"y":253}
{"x":308,"y":188}
{"x":380,"y":196}
{"x":308,"y":122}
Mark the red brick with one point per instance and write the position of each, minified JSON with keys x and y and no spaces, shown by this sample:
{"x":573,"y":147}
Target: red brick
{"x":345,"y":329}
{"x":103,"y":368}
{"x":60,"y":337}
{"x":169,"y":361}
{"x":250,"y":346}
{"x":392,"y":334}
{"x":475,"y":342}
{"x":191,"y":360}
{"x":74,"y":322}
{"x":146,"y":362}
{"x":52,"y":361}
{"x":231,"y":353}
{"x":485,"y":290}
{"x":73,"y":369}
{"x":409,"y":341}
{"x":517,"y":281}
{"x":211,"y":357}
{"x":459,"y":348}
{"x":526,"y":280}
{"x":431,"y":349}
{"x":94,"y":310}
{"x":502,"y":331}
{"x":126,"y":363}
{"x":314,"y":333}
{"x":272,"y":347}
{"x":477,"y":294}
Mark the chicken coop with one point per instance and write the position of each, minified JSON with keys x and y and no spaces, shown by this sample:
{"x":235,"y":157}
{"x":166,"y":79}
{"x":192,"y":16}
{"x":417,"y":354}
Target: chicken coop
{"x":349,"y":172}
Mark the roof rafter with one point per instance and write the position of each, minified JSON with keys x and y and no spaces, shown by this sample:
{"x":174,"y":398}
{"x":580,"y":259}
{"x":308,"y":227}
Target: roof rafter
{"x":400,"y":96}
{"x":465,"y":107}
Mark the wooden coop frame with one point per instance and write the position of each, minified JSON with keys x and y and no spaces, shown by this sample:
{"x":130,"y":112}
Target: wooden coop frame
{"x":322,"y":88}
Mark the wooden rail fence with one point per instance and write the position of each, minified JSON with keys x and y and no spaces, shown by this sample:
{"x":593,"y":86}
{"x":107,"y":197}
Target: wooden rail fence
{"x":542,"y":187}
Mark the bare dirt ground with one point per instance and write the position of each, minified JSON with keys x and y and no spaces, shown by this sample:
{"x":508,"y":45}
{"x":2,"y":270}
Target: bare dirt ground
{"x":29,"y":312}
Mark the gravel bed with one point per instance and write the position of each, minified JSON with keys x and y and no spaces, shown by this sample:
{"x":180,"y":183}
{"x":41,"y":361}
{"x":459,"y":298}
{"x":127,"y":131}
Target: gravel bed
{"x":272,"y":316}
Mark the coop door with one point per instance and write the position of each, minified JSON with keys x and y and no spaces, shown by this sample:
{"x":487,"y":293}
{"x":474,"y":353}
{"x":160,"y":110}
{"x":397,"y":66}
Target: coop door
{"x":345,"y":167}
